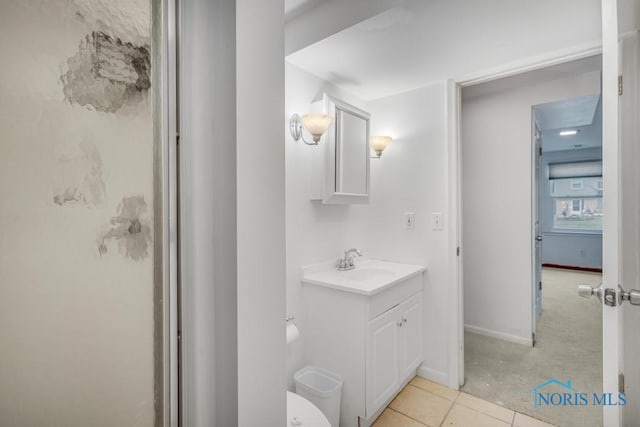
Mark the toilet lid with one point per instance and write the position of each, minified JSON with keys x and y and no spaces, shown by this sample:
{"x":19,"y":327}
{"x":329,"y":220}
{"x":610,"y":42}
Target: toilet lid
{"x":306,"y":413}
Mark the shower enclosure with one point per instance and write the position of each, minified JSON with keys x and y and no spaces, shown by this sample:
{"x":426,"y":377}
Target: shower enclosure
{"x":87,"y":277}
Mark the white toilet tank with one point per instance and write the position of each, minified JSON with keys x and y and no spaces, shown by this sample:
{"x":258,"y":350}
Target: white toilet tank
{"x":302,"y":413}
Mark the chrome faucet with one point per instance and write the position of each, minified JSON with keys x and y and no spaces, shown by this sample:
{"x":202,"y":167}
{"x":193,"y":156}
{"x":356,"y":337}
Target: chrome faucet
{"x":346,"y":263}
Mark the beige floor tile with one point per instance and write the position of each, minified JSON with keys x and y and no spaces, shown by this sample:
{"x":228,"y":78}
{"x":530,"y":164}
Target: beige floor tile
{"x":391,"y":418}
{"x":421,"y":405}
{"x":461,"y":416}
{"x":522,"y":420}
{"x":485,"y":407}
{"x":435,"y":388}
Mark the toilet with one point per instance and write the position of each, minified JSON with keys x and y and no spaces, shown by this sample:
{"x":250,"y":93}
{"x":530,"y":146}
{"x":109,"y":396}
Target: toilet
{"x":302,"y":413}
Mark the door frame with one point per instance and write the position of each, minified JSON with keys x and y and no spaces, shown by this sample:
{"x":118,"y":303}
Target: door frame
{"x":454,"y":185}
{"x":536,"y":228}
{"x":611,"y":267}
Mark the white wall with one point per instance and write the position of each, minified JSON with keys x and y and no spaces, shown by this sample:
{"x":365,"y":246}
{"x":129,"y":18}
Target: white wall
{"x":314,"y":232}
{"x":411,"y":176}
{"x":208,"y":213}
{"x":497,"y":203}
{"x":573,"y":250}
{"x":628,"y":16}
{"x":261,"y":212}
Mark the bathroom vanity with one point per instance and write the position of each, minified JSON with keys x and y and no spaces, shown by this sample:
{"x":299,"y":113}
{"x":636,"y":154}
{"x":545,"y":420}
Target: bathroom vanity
{"x":366,"y":325}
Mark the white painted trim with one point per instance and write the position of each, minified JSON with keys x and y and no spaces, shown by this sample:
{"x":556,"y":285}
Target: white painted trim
{"x":611,"y":316}
{"x":499,"y":335}
{"x":168,"y":114}
{"x":455,"y":316}
{"x":435,"y":376}
{"x":532,"y":63}
{"x":456,"y":293}
{"x":535,"y":158}
{"x":185,"y":348}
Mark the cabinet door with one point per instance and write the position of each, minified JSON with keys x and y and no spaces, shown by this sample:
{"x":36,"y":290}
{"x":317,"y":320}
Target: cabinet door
{"x":382,"y":359}
{"x":410,"y":336}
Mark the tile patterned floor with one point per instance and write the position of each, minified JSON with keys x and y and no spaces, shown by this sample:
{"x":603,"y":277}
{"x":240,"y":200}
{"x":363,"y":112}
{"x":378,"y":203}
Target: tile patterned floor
{"x":425,"y":403}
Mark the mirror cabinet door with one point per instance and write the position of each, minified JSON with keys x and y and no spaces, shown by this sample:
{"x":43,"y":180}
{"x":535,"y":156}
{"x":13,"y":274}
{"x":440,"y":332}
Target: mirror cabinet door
{"x":351,"y":153}
{"x":346,"y":166}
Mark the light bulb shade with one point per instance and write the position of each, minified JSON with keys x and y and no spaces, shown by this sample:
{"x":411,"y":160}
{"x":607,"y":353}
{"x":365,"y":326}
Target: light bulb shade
{"x":379,"y":143}
{"x":316,"y":124}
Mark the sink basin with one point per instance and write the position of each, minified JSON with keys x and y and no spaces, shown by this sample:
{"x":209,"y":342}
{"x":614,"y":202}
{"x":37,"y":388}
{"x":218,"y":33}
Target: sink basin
{"x":362,"y":274}
{"x":368,"y":278}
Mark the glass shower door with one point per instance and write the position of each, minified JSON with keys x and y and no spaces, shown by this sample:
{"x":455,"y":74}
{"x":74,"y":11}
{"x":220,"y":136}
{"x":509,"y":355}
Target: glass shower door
{"x":81,"y":196}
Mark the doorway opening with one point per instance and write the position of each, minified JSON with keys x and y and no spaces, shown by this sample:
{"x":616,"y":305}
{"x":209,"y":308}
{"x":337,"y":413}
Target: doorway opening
{"x":532,"y":230}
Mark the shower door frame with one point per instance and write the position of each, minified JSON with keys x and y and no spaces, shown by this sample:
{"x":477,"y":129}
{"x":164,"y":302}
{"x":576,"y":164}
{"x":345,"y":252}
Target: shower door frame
{"x":166,"y":348}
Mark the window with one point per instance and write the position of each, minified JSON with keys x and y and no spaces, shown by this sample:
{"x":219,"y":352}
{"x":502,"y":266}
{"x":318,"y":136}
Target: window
{"x":576,"y":192}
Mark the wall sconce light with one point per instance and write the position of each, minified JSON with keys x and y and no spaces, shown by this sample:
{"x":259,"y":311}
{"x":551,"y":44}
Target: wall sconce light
{"x":316,"y":124}
{"x":379,"y":143}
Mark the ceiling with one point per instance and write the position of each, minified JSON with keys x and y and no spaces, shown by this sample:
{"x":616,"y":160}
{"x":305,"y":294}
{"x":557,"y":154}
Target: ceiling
{"x":294,"y":8}
{"x":582,"y":113}
{"x":569,"y":113}
{"x":421,"y":42}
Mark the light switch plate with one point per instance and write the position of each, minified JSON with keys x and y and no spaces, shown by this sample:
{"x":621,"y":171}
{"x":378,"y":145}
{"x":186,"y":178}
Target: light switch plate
{"x":410,"y":220}
{"x":436,"y":221}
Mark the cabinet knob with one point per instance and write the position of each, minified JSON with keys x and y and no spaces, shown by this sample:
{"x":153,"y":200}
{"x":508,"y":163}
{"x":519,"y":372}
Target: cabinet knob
{"x":404,"y":320}
{"x":400,"y":323}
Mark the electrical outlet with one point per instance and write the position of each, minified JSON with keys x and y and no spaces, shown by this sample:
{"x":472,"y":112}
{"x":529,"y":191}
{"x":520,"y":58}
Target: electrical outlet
{"x":436,"y":221}
{"x":410,"y":220}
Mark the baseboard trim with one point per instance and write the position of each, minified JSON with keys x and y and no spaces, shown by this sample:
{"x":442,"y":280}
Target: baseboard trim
{"x":573,"y":267}
{"x":500,"y":335}
{"x":433,"y":375}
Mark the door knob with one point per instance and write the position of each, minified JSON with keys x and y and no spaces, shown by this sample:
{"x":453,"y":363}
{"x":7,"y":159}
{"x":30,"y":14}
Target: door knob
{"x":538,"y":238}
{"x":611,"y":297}
{"x":587,"y":291}
{"x":633,"y":296}
{"x":607,"y":296}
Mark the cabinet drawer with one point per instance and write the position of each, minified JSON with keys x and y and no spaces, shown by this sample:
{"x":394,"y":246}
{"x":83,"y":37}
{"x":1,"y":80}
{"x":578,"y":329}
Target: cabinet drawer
{"x":386,"y":299}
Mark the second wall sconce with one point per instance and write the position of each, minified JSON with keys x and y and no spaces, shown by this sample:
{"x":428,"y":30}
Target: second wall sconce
{"x":379,"y":143}
{"x":316,"y":124}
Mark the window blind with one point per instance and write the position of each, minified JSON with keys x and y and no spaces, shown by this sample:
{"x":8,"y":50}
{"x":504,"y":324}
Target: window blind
{"x":575,"y":169}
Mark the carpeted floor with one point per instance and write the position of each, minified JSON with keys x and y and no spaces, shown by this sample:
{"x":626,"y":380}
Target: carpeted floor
{"x":568,"y":347}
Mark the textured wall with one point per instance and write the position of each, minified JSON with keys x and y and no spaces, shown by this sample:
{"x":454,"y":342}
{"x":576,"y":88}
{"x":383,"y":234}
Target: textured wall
{"x":76,"y":184}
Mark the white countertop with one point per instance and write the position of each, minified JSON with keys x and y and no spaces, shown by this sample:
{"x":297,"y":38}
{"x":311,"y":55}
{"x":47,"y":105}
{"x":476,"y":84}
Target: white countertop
{"x":368,"y":278}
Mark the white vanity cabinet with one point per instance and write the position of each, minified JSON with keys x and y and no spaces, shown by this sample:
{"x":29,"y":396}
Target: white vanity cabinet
{"x":394,"y":351}
{"x":371,"y":336}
